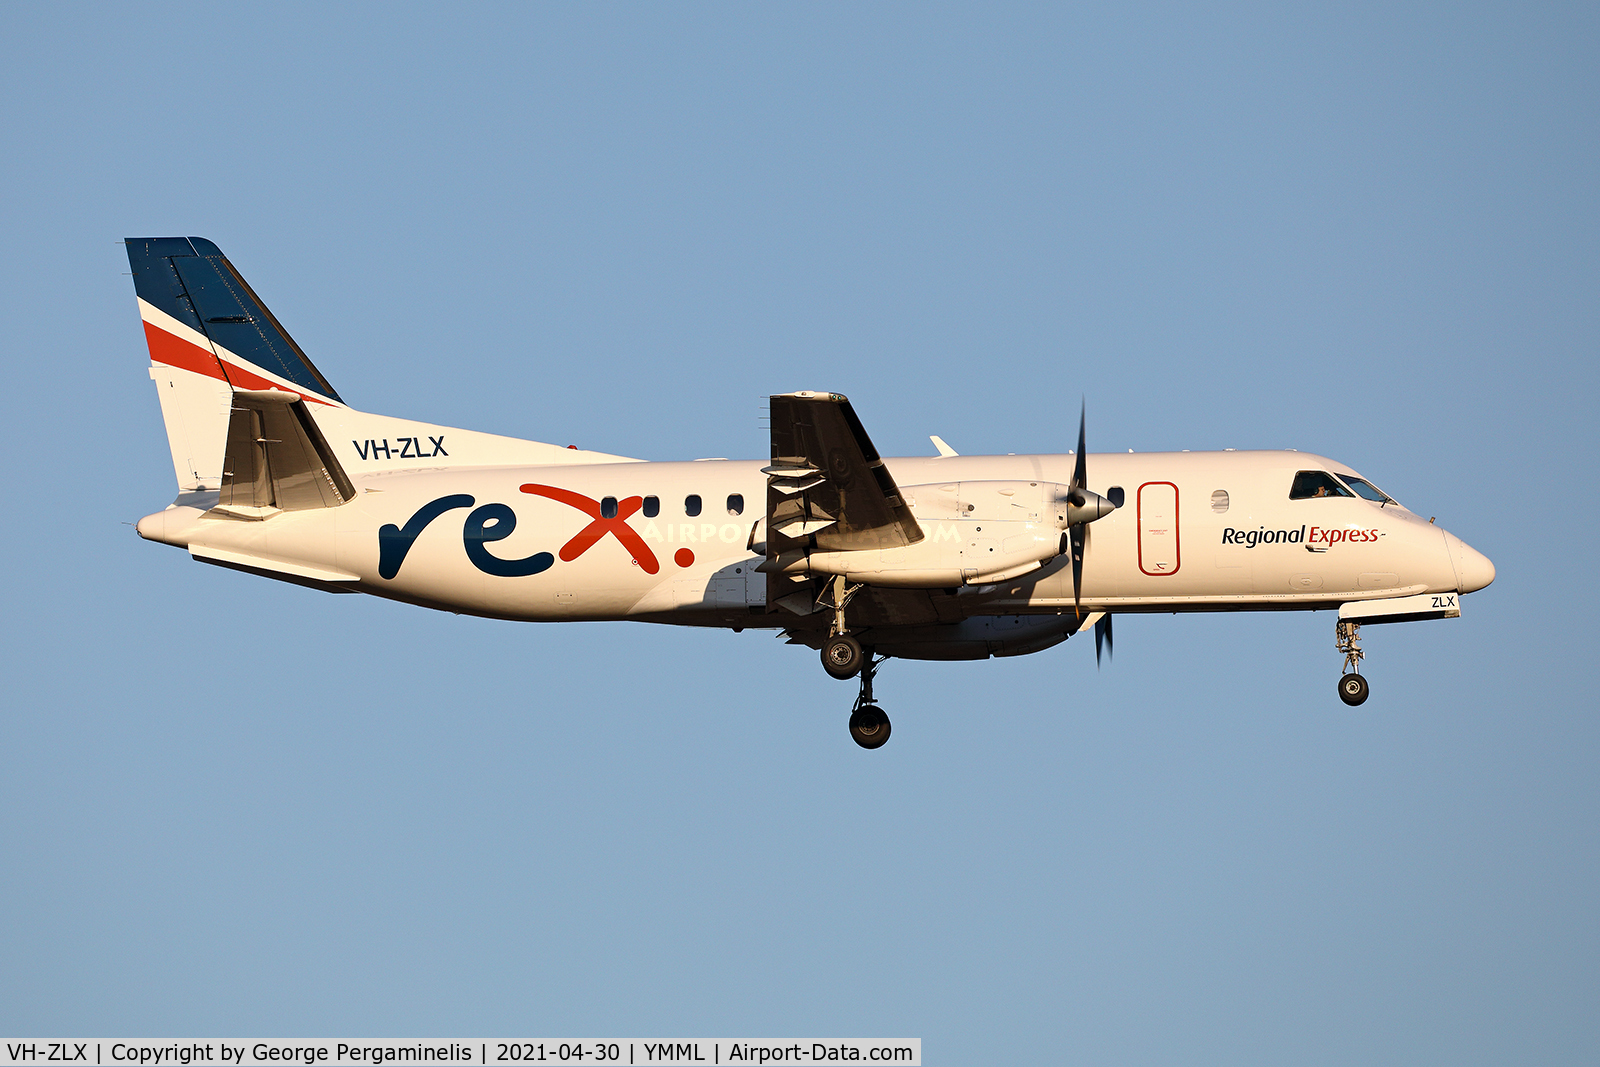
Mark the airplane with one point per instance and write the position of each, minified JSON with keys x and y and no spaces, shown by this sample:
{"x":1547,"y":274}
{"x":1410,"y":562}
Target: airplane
{"x":859,"y":557}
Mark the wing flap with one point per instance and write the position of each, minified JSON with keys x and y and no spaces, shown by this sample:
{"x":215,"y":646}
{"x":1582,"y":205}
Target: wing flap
{"x":827,"y":487}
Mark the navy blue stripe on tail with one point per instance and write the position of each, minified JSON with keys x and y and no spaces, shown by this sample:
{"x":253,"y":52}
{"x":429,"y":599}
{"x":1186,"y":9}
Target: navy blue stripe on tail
{"x":190,"y":279}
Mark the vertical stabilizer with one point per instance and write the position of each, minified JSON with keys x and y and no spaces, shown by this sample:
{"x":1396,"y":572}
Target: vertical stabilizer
{"x":209,"y":334}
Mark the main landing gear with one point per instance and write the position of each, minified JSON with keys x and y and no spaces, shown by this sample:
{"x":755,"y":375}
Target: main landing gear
{"x":844,"y":658}
{"x":1353,"y":688}
{"x":869,"y":726}
{"x":842,"y":655}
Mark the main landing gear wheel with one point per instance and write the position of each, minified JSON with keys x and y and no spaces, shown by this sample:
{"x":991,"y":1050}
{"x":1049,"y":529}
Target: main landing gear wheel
{"x":842,"y":656}
{"x":869,"y":726}
{"x":1353,"y":689}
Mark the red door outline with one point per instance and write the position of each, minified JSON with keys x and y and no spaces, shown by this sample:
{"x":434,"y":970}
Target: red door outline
{"x":1177,"y":541}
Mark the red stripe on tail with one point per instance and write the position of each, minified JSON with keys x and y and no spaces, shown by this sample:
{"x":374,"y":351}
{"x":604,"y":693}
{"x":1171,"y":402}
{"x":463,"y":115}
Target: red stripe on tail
{"x":186,"y":355}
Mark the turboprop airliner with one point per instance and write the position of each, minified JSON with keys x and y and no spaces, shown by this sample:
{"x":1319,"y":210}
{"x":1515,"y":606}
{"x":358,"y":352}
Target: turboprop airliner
{"x":858,"y":557}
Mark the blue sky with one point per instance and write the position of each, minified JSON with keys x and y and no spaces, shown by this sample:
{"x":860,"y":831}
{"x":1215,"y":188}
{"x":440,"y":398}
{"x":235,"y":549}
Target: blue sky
{"x":237,"y":807}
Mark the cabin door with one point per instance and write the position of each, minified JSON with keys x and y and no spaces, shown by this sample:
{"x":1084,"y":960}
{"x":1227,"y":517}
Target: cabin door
{"x":1159,"y":548}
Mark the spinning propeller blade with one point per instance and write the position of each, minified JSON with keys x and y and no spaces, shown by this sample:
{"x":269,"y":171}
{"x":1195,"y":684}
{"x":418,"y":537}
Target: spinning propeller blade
{"x":1083,"y":507}
{"x":1080,"y":470}
{"x":1102,"y":635}
{"x":1077,"y":533}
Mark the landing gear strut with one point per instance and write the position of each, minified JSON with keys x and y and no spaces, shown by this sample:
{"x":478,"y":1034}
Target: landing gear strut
{"x":869,"y":726}
{"x":842,"y":656}
{"x":1353,"y":688}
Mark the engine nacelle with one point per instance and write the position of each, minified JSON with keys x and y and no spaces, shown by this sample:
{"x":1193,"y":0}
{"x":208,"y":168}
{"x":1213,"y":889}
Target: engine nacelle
{"x":974,"y":533}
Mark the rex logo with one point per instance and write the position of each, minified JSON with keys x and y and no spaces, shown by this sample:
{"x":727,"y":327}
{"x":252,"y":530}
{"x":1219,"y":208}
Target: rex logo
{"x":616,"y":525}
{"x":496,"y":522}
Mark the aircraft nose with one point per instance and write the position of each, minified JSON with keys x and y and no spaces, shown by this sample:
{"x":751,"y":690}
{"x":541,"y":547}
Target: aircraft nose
{"x":1474,"y":570}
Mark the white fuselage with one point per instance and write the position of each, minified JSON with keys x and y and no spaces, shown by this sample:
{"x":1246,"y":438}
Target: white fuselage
{"x":1200,"y":531}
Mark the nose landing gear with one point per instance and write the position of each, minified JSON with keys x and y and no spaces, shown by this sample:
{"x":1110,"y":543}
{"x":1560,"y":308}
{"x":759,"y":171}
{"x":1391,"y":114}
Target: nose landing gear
{"x":1353,"y":688}
{"x":869,"y":726}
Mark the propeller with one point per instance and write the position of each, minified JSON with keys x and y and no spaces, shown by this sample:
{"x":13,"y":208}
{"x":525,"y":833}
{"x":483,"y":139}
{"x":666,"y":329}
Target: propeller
{"x":1083,"y":507}
{"x":1079,"y":535}
{"x":1078,"y":497}
{"x":1102,"y":636}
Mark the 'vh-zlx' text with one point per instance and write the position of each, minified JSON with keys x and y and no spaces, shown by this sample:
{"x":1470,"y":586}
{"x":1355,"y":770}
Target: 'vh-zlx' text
{"x":403,"y":448}
{"x":54,"y":1052}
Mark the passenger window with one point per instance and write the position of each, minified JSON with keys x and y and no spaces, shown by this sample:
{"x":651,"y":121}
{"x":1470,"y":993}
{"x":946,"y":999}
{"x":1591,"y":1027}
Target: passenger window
{"x":652,"y":506}
{"x":691,"y":505}
{"x":1367,"y":491}
{"x":608,"y":507}
{"x":1219,"y":501}
{"x":1310,"y":484}
{"x":735,"y":504}
{"x":1116,"y":496}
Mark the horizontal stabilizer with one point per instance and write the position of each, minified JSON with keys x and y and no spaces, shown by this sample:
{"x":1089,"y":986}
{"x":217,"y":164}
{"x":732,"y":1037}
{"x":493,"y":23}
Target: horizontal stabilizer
{"x":277,"y":459}
{"x":300,"y":573}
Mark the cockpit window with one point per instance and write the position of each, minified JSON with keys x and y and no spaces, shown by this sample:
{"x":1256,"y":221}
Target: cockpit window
{"x":1309,"y":484}
{"x":1367,"y":491}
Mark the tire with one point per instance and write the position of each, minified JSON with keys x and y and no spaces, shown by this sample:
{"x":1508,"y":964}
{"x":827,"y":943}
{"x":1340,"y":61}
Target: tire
{"x":1353,"y":689}
{"x":869,"y":727}
{"x":842,"y":657}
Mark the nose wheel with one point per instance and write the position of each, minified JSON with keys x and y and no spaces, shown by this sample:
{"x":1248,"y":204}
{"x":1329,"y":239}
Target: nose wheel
{"x":869,"y":726}
{"x":1353,"y":688}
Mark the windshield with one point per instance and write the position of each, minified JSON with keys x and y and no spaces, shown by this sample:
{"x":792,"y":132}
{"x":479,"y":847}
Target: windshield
{"x":1310,"y":484}
{"x":1367,"y":491}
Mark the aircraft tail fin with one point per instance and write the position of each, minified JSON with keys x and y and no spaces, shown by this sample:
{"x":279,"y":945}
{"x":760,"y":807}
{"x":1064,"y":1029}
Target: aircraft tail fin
{"x":209,"y":334}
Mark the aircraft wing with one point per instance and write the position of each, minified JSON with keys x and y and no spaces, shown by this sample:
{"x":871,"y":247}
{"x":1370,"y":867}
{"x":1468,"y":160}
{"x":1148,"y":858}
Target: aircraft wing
{"x":827,"y":488}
